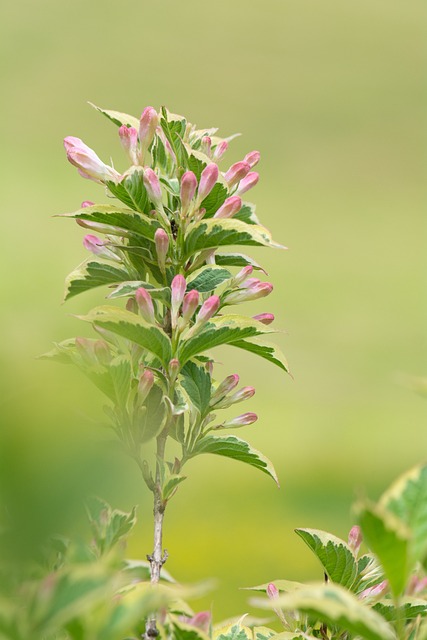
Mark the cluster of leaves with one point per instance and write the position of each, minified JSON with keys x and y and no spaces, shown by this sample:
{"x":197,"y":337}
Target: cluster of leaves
{"x":380,"y":595}
{"x":173,"y":215}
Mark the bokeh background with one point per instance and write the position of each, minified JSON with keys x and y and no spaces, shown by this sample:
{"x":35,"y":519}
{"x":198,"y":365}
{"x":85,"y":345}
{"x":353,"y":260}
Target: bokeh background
{"x":332,"y":93}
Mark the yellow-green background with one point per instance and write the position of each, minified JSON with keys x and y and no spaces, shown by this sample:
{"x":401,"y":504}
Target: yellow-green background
{"x":331,"y":93}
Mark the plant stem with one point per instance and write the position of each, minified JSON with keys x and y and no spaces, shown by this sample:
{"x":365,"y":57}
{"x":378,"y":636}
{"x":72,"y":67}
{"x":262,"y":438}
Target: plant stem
{"x":157,"y":558}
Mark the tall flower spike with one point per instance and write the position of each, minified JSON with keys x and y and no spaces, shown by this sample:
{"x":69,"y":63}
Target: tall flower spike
{"x":129,"y":140}
{"x":88,"y":164}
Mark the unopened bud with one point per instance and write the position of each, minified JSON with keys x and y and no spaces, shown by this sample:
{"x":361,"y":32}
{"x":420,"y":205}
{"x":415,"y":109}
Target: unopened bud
{"x":132,"y":306}
{"x":241,"y":421}
{"x":252,"y":158}
{"x":145,"y":385}
{"x":252,"y":291}
{"x":96,"y":246}
{"x":374,"y":591}
{"x":207,"y":181}
{"x":272,"y":591}
{"x":206,"y":145}
{"x":147,"y":128}
{"x":236,"y":172}
{"x":86,"y":203}
{"x":188,"y":189}
{"x":219,"y":150}
{"x":102,"y":352}
{"x":129,"y":140}
{"x":242,"y":275}
{"x":224,"y":388}
{"x":243,"y":394}
{"x":178,"y":287}
{"x":209,"y":367}
{"x":248,"y":182}
{"x":264,"y":318}
{"x":101,"y":228}
{"x":88,"y":164}
{"x":152,"y":184}
{"x":208,"y":309}
{"x":189,"y":305}
{"x":85,"y":348}
{"x":145,"y":304}
{"x":355,"y":539}
{"x":161,"y":240}
{"x":230,"y":207}
{"x":174,"y":367}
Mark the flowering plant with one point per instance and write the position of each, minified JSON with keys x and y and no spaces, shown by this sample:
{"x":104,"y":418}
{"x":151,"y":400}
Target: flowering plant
{"x":173,"y":214}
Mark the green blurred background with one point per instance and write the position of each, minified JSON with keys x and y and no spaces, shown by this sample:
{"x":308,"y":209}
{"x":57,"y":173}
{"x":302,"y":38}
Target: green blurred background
{"x":332,"y":94}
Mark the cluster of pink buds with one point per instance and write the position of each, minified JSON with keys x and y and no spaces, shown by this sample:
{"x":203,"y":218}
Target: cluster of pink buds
{"x":88,"y":164}
{"x":250,"y":289}
{"x":240,"y":176}
{"x":136,"y":143}
{"x":187,"y":303}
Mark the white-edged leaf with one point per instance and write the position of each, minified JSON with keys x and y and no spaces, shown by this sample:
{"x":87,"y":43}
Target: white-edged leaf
{"x":265,"y":350}
{"x":116,"y":221}
{"x":236,"y":448}
{"x":118,"y":117}
{"x":90,"y":274}
{"x":207,"y":278}
{"x":236,"y":260}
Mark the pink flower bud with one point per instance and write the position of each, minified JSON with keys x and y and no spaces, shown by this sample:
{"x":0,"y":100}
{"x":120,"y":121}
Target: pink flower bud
{"x":178,"y":287}
{"x":145,"y":304}
{"x":239,"y":396}
{"x":209,"y":367}
{"x":145,"y":385}
{"x":249,"y":291}
{"x":377,"y":590}
{"x":241,"y":421}
{"x":147,"y":128}
{"x":152,"y":184}
{"x":190,"y":304}
{"x":86,"y":203}
{"x":207,"y":181}
{"x":87,"y":162}
{"x":98,"y":248}
{"x":208,"y":309}
{"x":219,"y":150}
{"x":101,"y":228}
{"x":129,"y":140}
{"x":230,"y":207}
{"x":132,"y":306}
{"x":174,"y":367}
{"x":242,"y":275}
{"x":416,"y":585}
{"x":188,"y":189}
{"x":355,"y":539}
{"x":252,"y":158}
{"x":161,"y":240}
{"x":248,"y":182}
{"x":265,"y":318}
{"x":102,"y":352}
{"x":272,"y":591}
{"x":86,"y":349}
{"x":206,"y":145}
{"x":236,"y":173}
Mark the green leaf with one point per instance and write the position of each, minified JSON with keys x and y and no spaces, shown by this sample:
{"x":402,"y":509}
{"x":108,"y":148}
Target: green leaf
{"x":183,"y":631}
{"x":335,"y":555}
{"x":265,"y":350}
{"x":173,"y":127}
{"x":247,"y":214}
{"x":118,"y":117}
{"x":108,"y":525}
{"x":235,"y":448}
{"x":120,"y":372}
{"x":282,"y":585}
{"x":389,"y":539}
{"x":236,"y":260}
{"x":221,"y":330}
{"x":215,"y":199}
{"x":126,"y":289}
{"x":117,"y":221}
{"x":208,"y":234}
{"x":207,"y":278}
{"x":90,"y":274}
{"x":150,"y":420}
{"x":62,"y":352}
{"x":131,"y":190}
{"x":234,"y":631}
{"x":171,"y":484}
{"x":197,"y":383}
{"x":408,"y":609}
{"x":407,"y":499}
{"x":334,"y":605}
{"x":132,"y":327}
